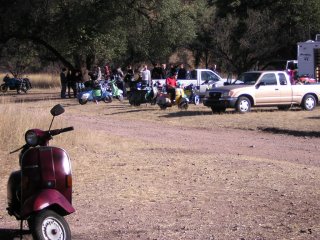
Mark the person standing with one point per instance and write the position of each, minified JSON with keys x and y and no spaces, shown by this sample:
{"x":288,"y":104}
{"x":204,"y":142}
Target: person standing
{"x":164,"y":71}
{"x":129,"y":77}
{"x":182,"y":72}
{"x":120,"y":81}
{"x":145,"y":76}
{"x":79,"y":81}
{"x":99,"y":74}
{"x":63,"y":80}
{"x":156,"y":72}
{"x":71,"y":83}
{"x":107,"y":72}
{"x":172,"y":70}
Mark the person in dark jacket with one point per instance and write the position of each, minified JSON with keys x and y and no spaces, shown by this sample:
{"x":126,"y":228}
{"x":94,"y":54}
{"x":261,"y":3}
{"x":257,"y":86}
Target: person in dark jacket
{"x":182,"y":72}
{"x":71,"y":83}
{"x":63,"y":80}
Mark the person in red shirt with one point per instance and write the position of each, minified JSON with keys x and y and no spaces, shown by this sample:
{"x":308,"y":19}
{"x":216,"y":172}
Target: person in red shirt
{"x":171,"y":84}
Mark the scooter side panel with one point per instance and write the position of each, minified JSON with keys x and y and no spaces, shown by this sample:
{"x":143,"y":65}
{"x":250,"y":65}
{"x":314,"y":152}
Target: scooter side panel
{"x":46,"y":199}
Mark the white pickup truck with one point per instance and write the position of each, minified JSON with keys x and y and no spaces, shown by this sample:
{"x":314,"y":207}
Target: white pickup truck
{"x":201,"y":78}
{"x":262,"y":88}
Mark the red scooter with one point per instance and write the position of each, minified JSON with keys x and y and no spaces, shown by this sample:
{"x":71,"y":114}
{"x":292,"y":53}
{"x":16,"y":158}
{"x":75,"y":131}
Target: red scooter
{"x":41,"y":191}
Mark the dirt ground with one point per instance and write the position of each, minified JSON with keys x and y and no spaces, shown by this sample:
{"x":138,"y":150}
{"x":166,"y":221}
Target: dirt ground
{"x":158,"y":178}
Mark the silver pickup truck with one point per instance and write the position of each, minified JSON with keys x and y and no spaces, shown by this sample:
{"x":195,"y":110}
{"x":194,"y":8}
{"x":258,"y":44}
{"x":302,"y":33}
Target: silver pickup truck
{"x":262,"y":88}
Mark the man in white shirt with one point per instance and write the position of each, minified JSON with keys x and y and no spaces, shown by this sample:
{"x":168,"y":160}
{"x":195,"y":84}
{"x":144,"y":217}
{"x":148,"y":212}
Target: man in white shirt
{"x":145,"y":76}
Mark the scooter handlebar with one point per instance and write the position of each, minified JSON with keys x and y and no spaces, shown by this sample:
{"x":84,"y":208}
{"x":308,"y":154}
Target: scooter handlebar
{"x":61,"y":130}
{"x":67,"y":129}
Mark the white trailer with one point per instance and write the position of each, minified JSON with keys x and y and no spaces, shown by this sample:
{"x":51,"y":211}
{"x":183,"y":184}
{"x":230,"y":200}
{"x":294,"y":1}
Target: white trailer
{"x":309,"y":58}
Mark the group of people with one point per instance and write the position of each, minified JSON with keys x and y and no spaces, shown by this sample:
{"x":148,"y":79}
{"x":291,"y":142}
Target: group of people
{"x":72,"y":80}
{"x":162,"y":72}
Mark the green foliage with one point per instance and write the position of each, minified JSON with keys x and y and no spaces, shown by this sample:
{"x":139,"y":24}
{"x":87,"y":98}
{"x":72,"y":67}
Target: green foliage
{"x":18,"y":57}
{"x":160,"y":28}
{"x":236,"y":34}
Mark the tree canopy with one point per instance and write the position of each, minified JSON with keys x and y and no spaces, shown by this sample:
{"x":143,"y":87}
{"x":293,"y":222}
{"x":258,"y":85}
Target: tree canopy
{"x":235,"y":34}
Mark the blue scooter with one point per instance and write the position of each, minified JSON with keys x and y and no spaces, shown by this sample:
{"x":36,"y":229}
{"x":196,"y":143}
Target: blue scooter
{"x":99,"y":93}
{"x":190,"y":91}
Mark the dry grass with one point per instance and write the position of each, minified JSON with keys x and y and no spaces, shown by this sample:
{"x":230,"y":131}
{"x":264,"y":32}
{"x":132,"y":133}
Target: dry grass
{"x":19,"y":117}
{"x":119,"y":179}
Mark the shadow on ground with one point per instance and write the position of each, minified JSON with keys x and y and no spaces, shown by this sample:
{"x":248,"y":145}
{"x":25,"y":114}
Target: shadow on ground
{"x":14,"y":234}
{"x":295,"y":133}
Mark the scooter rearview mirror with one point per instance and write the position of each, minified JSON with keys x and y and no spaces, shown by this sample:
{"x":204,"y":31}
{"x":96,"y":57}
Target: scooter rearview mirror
{"x":57,"y":110}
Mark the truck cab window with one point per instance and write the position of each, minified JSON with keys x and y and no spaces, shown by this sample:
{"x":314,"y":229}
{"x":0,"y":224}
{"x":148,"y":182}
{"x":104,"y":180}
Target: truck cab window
{"x":282,"y":79}
{"x":209,"y":76}
{"x":193,"y":74}
{"x":268,"y":79}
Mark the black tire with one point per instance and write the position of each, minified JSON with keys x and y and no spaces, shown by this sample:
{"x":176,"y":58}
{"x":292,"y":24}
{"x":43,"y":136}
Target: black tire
{"x":218,"y":109}
{"x":107,"y":99}
{"x":284,"y":107}
{"x":24,"y":88}
{"x":163,"y":107}
{"x":21,"y":89}
{"x":3,"y":88}
{"x":47,"y":224}
{"x":309,"y":102}
{"x":153,"y":101}
{"x":243,"y":105}
{"x":120,"y":98}
{"x":82,"y":102}
{"x":184,"y":105}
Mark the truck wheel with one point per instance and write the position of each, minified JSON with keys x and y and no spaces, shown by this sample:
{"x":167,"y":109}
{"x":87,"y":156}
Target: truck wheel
{"x":48,"y":224}
{"x":309,"y":102}
{"x":243,"y":105}
{"x":218,"y":109}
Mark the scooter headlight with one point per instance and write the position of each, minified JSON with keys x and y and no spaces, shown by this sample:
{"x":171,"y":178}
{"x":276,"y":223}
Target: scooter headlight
{"x":31,"y":138}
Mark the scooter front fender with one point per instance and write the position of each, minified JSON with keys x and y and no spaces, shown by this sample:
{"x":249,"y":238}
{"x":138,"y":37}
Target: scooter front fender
{"x":45,"y":199}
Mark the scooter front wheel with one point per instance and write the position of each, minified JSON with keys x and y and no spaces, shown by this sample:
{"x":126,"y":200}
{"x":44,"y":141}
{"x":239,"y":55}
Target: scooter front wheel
{"x":107,"y":99}
{"x":82,"y":102}
{"x":48,"y":225}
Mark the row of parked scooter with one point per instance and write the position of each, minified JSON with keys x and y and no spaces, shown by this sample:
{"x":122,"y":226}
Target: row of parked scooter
{"x":101,"y":90}
{"x":138,"y":94}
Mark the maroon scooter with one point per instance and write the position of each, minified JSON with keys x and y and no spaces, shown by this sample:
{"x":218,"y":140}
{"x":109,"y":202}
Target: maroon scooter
{"x":41,"y":191}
